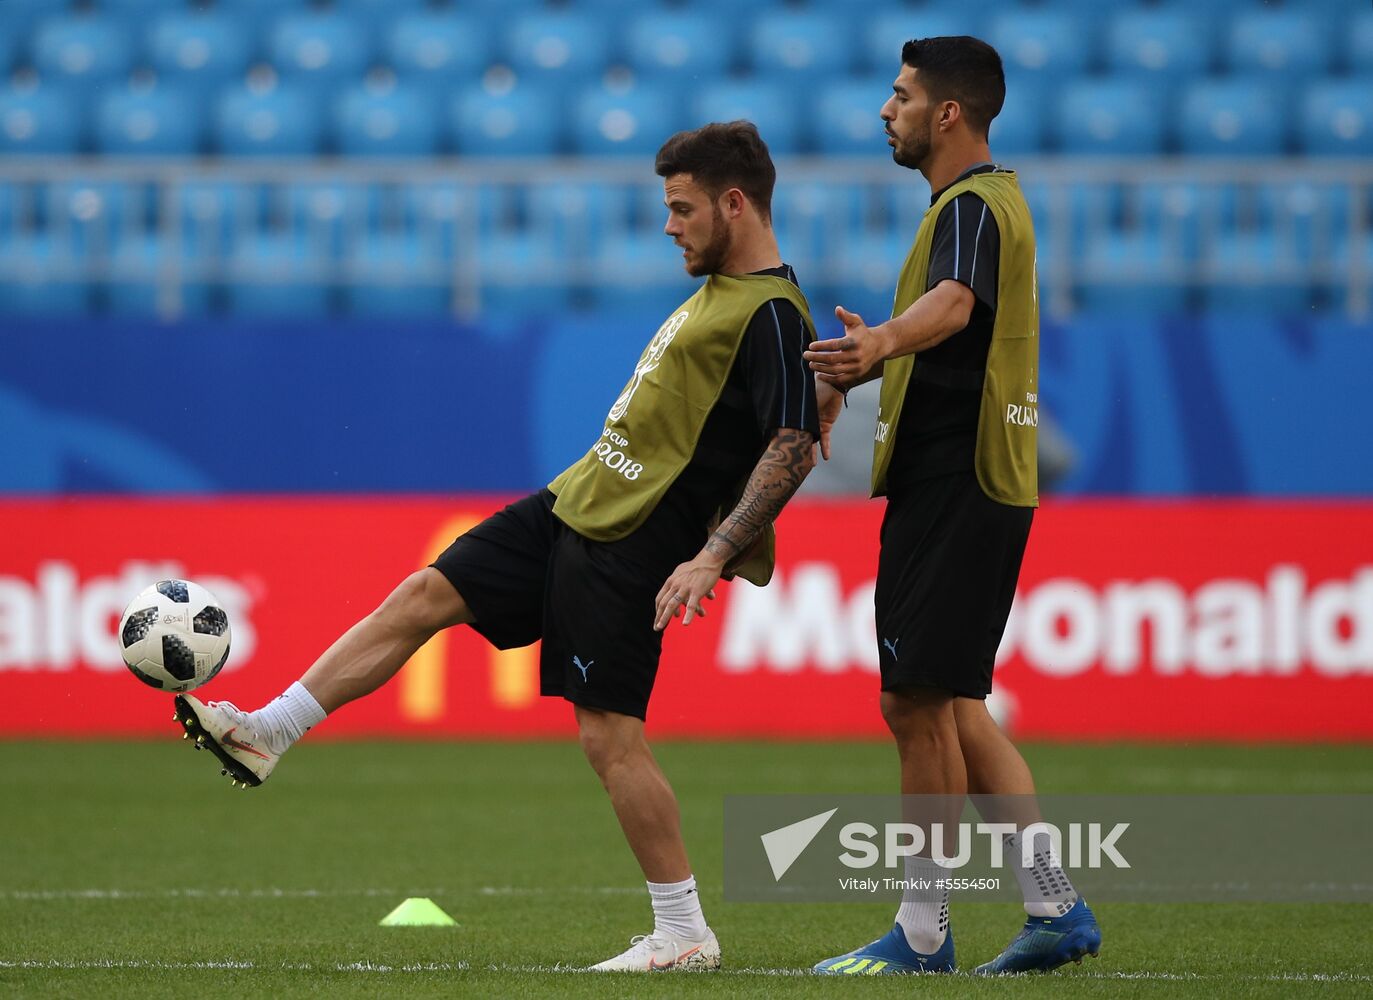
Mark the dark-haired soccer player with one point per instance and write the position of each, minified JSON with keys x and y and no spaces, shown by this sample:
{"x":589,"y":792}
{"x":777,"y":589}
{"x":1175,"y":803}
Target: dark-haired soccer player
{"x":955,"y":456}
{"x":711,"y":436}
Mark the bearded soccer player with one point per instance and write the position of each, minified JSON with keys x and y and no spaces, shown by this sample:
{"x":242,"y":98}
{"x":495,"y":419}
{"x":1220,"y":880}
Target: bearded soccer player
{"x":712,"y":435}
{"x":955,"y":455}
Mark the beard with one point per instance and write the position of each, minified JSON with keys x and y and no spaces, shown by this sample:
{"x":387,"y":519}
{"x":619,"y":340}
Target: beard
{"x":712,"y":257}
{"x":912,"y":152}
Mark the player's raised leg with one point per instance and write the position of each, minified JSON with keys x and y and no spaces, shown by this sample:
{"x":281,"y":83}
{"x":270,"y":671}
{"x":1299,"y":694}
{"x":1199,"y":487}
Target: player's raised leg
{"x":1059,"y":926}
{"x":646,"y":807}
{"x":249,"y":744}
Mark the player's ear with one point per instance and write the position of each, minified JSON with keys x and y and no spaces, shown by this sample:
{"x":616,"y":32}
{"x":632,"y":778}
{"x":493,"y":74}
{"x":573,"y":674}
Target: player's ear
{"x":950,"y":114}
{"x":734,"y":203}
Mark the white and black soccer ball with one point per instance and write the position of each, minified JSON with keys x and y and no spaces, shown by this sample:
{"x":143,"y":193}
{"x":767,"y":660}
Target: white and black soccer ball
{"x":174,"y":636}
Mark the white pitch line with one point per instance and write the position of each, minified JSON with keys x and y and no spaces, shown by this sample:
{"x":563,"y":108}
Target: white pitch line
{"x":271,"y":893}
{"x":418,"y":967}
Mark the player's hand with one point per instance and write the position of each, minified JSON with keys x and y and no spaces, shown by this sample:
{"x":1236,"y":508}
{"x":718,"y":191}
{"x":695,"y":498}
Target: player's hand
{"x":690,"y":584}
{"x":851,"y":356}
{"x":831,"y":404}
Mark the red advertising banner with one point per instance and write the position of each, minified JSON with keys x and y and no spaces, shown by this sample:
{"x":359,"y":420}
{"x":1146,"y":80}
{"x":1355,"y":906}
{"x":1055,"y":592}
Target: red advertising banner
{"x":1134,"y":620}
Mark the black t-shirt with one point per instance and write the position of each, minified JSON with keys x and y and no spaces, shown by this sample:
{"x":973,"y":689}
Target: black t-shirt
{"x":937,"y":434}
{"x":769,"y":387}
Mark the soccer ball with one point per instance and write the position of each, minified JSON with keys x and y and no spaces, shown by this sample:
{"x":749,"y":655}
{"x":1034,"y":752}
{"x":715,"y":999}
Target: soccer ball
{"x":174,"y":636}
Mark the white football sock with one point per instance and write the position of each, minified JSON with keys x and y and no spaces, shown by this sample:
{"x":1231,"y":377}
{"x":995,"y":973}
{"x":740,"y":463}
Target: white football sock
{"x":677,"y":909}
{"x":1045,"y":887}
{"x":924,"y":912}
{"x":287,"y":717}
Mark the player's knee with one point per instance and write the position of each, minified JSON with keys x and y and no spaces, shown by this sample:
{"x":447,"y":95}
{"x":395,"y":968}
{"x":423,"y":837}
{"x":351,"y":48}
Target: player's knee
{"x":606,"y":740}
{"x":919,"y":715}
{"x":424,"y":602}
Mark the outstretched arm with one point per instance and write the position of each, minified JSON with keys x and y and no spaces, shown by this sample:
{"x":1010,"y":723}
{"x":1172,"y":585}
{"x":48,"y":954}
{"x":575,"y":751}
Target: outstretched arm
{"x":779,"y":473}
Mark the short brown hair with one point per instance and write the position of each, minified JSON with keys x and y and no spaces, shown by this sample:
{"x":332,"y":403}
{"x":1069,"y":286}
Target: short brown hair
{"x":720,"y":156}
{"x":963,"y":69}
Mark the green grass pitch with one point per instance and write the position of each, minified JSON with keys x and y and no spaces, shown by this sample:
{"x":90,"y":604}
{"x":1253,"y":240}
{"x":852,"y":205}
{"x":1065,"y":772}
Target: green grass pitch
{"x":133,"y":869}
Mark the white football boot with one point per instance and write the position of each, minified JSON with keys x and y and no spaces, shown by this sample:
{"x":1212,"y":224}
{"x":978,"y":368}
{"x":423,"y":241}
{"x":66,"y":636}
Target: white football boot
{"x":223,"y":729}
{"x":659,"y":952}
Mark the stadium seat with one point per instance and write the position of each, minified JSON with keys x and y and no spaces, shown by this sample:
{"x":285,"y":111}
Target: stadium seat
{"x":329,"y":217}
{"x":1337,"y":118}
{"x":1312,"y":218}
{"x":797,"y":46}
{"x":817,"y":221}
{"x":137,"y":11}
{"x":452,"y":220}
{"x":1359,"y":40}
{"x":213,"y":213}
{"x":678,"y":43}
{"x":30,"y":281}
{"x":1128,"y":276}
{"x":628,"y":121}
{"x":1286,"y":43}
{"x":378,"y":15}
{"x":642,"y":275}
{"x":84,"y":50}
{"x":18,"y":19}
{"x":1109,"y":117}
{"x":1183,"y":215}
{"x":265,"y":118}
{"x":438,"y":47}
{"x":1019,"y":128}
{"x":1046,"y":43}
{"x":148,"y":120}
{"x":390,"y":275}
{"x":382,"y":118}
{"x":88,"y":218}
{"x":1166,"y":43}
{"x":519,"y":278}
{"x":319,"y":49}
{"x":767,"y":105}
{"x":9,"y":46}
{"x":39,"y":119}
{"x":887,"y":30}
{"x":257,"y":11}
{"x":502,"y":117}
{"x":846,"y":119}
{"x":1231,"y":117}
{"x":1258,"y":277}
{"x":140,"y":265}
{"x":201,"y":49}
{"x":276,"y":274}
{"x":573,"y":217}
{"x":557,"y":46}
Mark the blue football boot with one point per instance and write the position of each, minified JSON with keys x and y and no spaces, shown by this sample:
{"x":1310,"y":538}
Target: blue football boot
{"x":890,"y":955}
{"x":1045,"y":943}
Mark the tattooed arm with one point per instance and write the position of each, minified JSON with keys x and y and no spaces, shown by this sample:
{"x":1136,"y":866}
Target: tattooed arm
{"x":777,"y":476}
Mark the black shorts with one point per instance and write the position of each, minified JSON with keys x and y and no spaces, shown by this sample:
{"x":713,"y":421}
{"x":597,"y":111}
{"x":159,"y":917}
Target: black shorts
{"x":945,"y":581}
{"x":527,"y":576}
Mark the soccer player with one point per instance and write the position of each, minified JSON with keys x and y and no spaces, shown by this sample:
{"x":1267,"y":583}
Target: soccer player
{"x":955,"y":455}
{"x":712,"y":435}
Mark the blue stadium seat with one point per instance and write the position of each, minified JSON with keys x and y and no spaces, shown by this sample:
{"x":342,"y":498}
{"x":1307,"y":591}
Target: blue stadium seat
{"x":1109,"y":117}
{"x":379,"y":15}
{"x":265,"y":118}
{"x":1359,"y":51}
{"x":887,"y":30}
{"x":573,"y":217}
{"x":390,"y":275}
{"x":1311,"y":217}
{"x":319,"y":49}
{"x":211,"y":215}
{"x":9,"y":46}
{"x":642,"y":275}
{"x":846,"y":120}
{"x":767,"y":105}
{"x":678,"y":43}
{"x":381,"y":118}
{"x":85,"y":50}
{"x":1047,"y":43}
{"x":37,"y":119}
{"x":1257,"y":274}
{"x":452,"y":220}
{"x":256,"y":11}
{"x":29,"y":282}
{"x":561,"y":46}
{"x":1183,"y":215}
{"x":137,"y":11}
{"x":628,"y":121}
{"x":1337,"y":118}
{"x":815,"y":220}
{"x":438,"y":46}
{"x":148,"y":120}
{"x":1285,"y":43}
{"x":1234,"y":116}
{"x":18,"y":19}
{"x":133,"y":288}
{"x":520,"y":277}
{"x":329,"y":217}
{"x":276,"y":275}
{"x":1129,"y":258}
{"x":87,"y":218}
{"x":799,"y":45}
{"x":1164,"y":43}
{"x":1019,"y":128}
{"x":501,"y":117}
{"x":202,"y":49}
